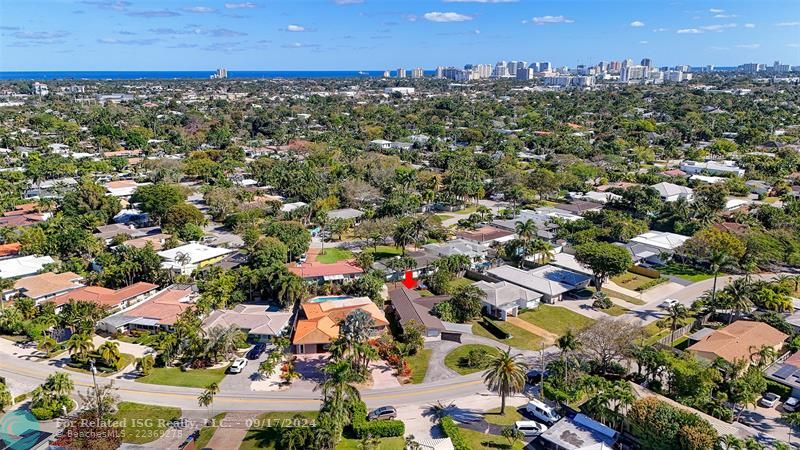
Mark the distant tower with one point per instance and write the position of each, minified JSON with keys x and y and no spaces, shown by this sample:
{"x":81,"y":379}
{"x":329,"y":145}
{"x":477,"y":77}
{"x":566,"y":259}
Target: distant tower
{"x":401,"y":73}
{"x":646,"y":62}
{"x":386,"y":74}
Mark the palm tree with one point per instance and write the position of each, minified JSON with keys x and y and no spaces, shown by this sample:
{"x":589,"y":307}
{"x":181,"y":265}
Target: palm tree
{"x":762,"y":356}
{"x":289,"y":289}
{"x":526,"y":230}
{"x":206,"y":398}
{"x":403,"y":234}
{"x":46,"y":344}
{"x":338,"y":392}
{"x":740,"y":295}
{"x":79,"y":344}
{"x":505,"y":374}
{"x":59,"y":383}
{"x":543,"y":250}
{"x":676,"y":313}
{"x":568,"y":342}
{"x":109,"y":352}
{"x":718,"y":260}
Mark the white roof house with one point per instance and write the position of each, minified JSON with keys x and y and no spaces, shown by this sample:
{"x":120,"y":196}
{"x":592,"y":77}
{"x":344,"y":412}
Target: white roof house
{"x":661,"y":240}
{"x":707,"y":179}
{"x":712,"y":167}
{"x":671,"y":192}
{"x":458,"y":247}
{"x":23,"y":266}
{"x":186,"y":258}
{"x":289,"y":207}
{"x":595,"y":197}
{"x":580,"y":433}
{"x":550,"y":281}
{"x":503,"y":293}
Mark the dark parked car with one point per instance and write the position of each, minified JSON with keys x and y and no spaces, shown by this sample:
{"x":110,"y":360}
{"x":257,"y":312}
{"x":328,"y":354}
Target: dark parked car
{"x":382,"y":413}
{"x":534,"y":376}
{"x":257,"y":351}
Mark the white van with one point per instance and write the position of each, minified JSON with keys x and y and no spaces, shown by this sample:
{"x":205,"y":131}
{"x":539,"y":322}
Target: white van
{"x":529,"y":428}
{"x":540,"y":411}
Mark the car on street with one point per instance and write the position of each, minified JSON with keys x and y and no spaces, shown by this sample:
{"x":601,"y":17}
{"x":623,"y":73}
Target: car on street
{"x":382,"y":413}
{"x":530,"y":428}
{"x":257,"y":351}
{"x":237,"y":366}
{"x":534,"y":376}
{"x":769,"y":400}
{"x":791,"y":404}
{"x":669,"y":303}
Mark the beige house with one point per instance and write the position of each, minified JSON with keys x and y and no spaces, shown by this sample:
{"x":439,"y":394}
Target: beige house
{"x":737,"y":341}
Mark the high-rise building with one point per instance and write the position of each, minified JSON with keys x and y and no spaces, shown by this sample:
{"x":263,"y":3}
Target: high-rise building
{"x":40,"y":89}
{"x":221,"y":73}
{"x":646,"y":62}
{"x":534,"y":66}
{"x":632,"y":73}
{"x":544,"y":66}
{"x":386,"y":74}
{"x":417,"y":72}
{"x":401,"y":73}
{"x":524,"y":73}
{"x":440,"y":72}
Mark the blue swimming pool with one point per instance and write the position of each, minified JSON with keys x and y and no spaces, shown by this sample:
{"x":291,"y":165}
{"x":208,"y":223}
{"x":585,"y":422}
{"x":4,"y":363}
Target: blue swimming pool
{"x":331,"y":298}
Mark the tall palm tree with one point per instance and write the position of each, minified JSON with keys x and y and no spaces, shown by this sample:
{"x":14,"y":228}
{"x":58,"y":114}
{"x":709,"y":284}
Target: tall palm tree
{"x":505,"y":374}
{"x":717,"y":261}
{"x":567,"y":343}
{"x":59,"y":383}
{"x":543,"y":250}
{"x":338,"y":392}
{"x":403,"y":234}
{"x":676,"y":313}
{"x":46,"y":344}
{"x":739,"y":294}
{"x":526,"y":230}
{"x":289,"y":289}
{"x":762,"y":356}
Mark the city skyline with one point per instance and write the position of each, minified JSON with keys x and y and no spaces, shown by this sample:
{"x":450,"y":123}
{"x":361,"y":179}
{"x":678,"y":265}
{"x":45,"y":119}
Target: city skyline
{"x":368,"y":35}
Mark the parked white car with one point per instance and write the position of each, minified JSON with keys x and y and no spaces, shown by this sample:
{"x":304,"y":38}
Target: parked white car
{"x":238,"y":365}
{"x":530,"y":428}
{"x":669,"y":303}
{"x":769,"y":400}
{"x":791,"y":404}
{"x":541,"y":411}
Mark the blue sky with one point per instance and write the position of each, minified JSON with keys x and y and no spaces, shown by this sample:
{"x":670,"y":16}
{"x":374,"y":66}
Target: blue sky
{"x":385,"y":34}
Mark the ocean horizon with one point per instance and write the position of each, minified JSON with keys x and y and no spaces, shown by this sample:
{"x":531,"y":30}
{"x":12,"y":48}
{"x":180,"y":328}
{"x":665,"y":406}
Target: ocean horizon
{"x":188,"y":74}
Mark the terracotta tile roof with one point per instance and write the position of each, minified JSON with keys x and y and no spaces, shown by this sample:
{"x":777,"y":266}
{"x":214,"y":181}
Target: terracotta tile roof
{"x":48,"y":283}
{"x":104,"y":296}
{"x":321,"y":324}
{"x":736,"y":340}
{"x":165,"y":307}
{"x":316,"y":269}
{"x":10,"y":249}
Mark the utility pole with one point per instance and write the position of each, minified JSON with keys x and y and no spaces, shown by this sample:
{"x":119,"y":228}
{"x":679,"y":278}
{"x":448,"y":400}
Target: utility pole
{"x":94,"y":381}
{"x":541,"y":380}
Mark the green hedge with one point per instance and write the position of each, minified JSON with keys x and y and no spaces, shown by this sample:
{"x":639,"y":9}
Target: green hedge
{"x":451,"y":430}
{"x":375,"y":428}
{"x":777,"y":388}
{"x":496,"y":331}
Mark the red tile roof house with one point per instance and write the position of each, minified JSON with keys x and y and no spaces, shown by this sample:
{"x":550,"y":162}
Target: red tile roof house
{"x":158,"y":312}
{"x":320,"y":273}
{"x":112,"y":300}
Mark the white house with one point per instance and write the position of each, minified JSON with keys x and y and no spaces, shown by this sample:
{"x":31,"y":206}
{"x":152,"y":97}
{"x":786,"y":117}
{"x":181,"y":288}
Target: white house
{"x":649,"y":247}
{"x":712,"y":167}
{"x":23,"y":266}
{"x":185,"y":259}
{"x":504,"y":299}
{"x":673,"y":192}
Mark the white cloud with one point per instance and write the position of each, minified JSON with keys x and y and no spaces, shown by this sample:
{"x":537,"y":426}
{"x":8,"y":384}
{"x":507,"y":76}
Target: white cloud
{"x":788,"y":24}
{"x":716,"y":10}
{"x":718,"y":28}
{"x":441,"y":17}
{"x":637,"y":24}
{"x":644,"y":42}
{"x":689,"y":31}
{"x":296,"y":28}
{"x":541,"y":20}
{"x":348,"y":2}
{"x":244,"y":5}
{"x":660,"y":30}
{"x":749,"y":25}
{"x":199,"y":9}
{"x":481,"y":1}
{"x":724,"y":16}
{"x":749,"y":46}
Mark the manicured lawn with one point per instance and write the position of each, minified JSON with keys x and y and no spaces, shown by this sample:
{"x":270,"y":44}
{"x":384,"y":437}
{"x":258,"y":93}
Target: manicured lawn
{"x":144,"y":423}
{"x":480,"y":441}
{"x":468,"y":210}
{"x":174,"y":376}
{"x":520,"y":338}
{"x":125,"y":360}
{"x":419,"y":365}
{"x":453,"y":359}
{"x":266,"y":433}
{"x":443,"y":217}
{"x":384,"y":251}
{"x":623,"y":297}
{"x":511,"y":416}
{"x":556,"y":319}
{"x":208,"y":431}
{"x":459,"y":282}
{"x":333,"y":255}
{"x":615,"y":310}
{"x":652,"y":332}
{"x":686,"y":272}
{"x":630,"y":280}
